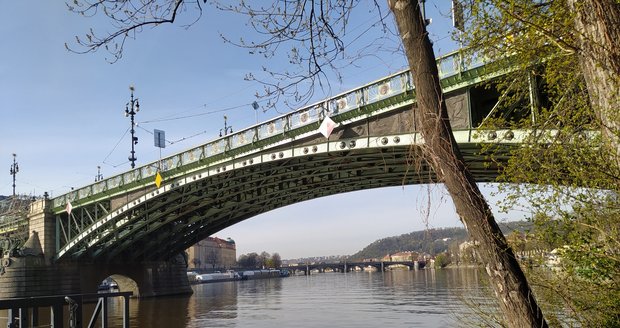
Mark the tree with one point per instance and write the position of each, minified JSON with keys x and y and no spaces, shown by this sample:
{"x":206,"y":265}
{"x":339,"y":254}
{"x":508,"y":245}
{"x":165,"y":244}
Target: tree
{"x":276,"y":261}
{"x":263,"y":260}
{"x":441,"y":150}
{"x":442,"y":260}
{"x":213,"y":258}
{"x":249,"y":261}
{"x":573,"y":176}
{"x":597,"y":23}
{"x":196,"y":262}
{"x":128,"y":17}
{"x":564,"y":34}
{"x":312,"y":25}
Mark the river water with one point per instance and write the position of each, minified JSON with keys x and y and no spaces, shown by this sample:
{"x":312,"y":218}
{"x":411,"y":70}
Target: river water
{"x":425,"y":298}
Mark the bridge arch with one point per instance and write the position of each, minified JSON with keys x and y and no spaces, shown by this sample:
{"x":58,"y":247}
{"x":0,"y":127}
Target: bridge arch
{"x":187,"y":210}
{"x":278,"y":163}
{"x":373,"y":147}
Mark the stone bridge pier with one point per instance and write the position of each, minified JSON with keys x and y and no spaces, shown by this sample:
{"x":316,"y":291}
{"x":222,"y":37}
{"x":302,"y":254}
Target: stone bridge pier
{"x":31,"y":271}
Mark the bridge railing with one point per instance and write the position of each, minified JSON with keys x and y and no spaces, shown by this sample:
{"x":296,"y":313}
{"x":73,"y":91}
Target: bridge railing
{"x":13,"y":213}
{"x":24,"y":311}
{"x":398,"y":83}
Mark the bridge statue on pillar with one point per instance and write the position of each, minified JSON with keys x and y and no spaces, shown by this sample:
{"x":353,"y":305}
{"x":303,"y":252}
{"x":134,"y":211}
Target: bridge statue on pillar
{"x":136,"y":230}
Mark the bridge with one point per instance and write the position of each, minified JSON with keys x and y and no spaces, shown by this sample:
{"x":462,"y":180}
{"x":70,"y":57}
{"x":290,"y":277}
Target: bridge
{"x":131,"y":226}
{"x":346,"y":266}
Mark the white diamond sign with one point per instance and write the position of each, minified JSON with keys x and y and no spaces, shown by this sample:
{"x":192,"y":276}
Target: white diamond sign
{"x":327,"y":127}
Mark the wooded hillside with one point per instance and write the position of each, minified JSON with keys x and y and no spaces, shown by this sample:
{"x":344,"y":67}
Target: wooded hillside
{"x":432,"y":241}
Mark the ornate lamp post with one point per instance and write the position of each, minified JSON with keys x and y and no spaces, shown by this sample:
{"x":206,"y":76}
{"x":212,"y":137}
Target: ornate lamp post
{"x":131,"y":109}
{"x":255,"y":106}
{"x":227,"y":129}
{"x":14,"y":170}
{"x":99,"y":176}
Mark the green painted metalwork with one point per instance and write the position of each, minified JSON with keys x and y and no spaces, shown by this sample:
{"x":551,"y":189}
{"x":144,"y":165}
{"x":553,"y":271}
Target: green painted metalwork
{"x":385,"y":94}
{"x":202,"y":188}
{"x":190,"y":207}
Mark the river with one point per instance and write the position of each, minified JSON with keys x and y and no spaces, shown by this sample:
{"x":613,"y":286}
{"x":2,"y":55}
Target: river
{"x":425,"y":298}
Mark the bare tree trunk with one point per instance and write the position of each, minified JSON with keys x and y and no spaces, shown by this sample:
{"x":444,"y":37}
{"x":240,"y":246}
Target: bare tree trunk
{"x":598,"y":24}
{"x":441,"y":150}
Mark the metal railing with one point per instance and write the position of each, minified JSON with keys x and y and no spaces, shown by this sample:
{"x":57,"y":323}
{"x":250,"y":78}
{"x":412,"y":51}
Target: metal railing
{"x":24,"y":312}
{"x":13,"y":213}
{"x":449,"y":65}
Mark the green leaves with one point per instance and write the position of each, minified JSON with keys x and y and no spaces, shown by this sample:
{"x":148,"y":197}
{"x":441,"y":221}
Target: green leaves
{"x":569,"y":177}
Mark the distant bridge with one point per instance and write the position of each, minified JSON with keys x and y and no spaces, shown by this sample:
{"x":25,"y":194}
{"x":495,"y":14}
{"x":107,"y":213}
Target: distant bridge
{"x":345,"y":266}
{"x":128,"y":219}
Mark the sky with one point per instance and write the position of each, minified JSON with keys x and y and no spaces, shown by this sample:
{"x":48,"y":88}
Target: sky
{"x":63,"y":115}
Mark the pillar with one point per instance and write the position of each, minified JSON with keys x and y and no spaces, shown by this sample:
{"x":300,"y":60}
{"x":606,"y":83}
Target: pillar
{"x":41,"y":220}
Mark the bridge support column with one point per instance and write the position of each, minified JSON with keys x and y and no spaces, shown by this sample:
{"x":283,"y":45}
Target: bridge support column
{"x":41,"y":221}
{"x":30,"y":271}
{"x":30,"y":276}
{"x":160,"y":278}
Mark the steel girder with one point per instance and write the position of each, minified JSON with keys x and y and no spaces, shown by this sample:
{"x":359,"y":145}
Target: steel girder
{"x":166,"y":221}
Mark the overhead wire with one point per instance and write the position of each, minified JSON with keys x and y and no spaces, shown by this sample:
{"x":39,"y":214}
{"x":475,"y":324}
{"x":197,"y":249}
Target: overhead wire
{"x":172,"y":142}
{"x":113,"y":149}
{"x":203,"y":105}
{"x":194,"y":115}
{"x":173,"y":118}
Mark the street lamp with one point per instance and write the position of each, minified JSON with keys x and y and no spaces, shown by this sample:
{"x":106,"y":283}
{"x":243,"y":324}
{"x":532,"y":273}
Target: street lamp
{"x":227,"y":129}
{"x":255,"y":106}
{"x":14,"y":170}
{"x":131,"y":109}
{"x":99,"y":176}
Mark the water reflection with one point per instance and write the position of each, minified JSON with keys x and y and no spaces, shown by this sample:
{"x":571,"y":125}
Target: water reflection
{"x":213,"y":303}
{"x":426,"y":298}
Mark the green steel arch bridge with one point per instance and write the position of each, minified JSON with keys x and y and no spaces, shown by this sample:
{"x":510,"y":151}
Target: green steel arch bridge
{"x":282,"y":161}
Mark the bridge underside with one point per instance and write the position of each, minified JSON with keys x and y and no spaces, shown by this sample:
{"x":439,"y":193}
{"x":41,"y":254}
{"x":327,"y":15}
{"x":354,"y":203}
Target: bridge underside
{"x":164,"y":225}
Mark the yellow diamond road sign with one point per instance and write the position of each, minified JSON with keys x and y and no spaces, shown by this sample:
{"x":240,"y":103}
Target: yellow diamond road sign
{"x":158,"y":179}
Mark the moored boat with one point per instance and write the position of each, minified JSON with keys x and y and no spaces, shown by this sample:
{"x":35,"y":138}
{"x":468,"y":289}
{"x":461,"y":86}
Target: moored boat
{"x":217,"y":277}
